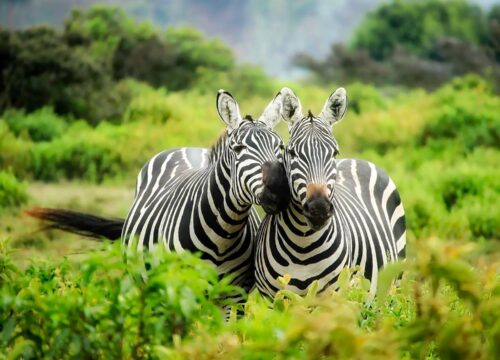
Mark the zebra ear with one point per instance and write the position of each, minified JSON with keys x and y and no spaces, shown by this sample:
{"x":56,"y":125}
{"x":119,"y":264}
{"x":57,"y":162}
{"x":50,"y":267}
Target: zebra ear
{"x":272,"y":113}
{"x":228,"y":110}
{"x":335,"y":106}
{"x":291,"y":109}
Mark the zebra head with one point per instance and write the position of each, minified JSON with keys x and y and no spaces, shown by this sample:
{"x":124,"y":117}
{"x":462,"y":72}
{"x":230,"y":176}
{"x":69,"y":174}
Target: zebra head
{"x":310,"y":155}
{"x":255,"y":152}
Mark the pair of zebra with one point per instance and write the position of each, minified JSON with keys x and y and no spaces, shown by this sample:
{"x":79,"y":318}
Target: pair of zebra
{"x":323,"y":214}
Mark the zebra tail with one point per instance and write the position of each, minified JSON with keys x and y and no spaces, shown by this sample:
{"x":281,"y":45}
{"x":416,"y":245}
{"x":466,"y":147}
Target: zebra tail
{"x":78,"y":223}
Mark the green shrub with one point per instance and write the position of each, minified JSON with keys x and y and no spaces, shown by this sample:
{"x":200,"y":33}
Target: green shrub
{"x":12,"y":192}
{"x":467,"y":113}
{"x":364,"y":98}
{"x":40,"y":125}
{"x":14,"y":152}
{"x":484,"y":218}
{"x":456,"y":188}
{"x":242,"y":81}
{"x":104,"y":308}
{"x":150,"y":106}
{"x":383,"y":123}
{"x":445,"y":193}
{"x":82,"y":153}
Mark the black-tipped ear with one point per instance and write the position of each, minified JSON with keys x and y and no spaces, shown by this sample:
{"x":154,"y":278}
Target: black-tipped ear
{"x":272,"y":113}
{"x":291,"y":109}
{"x":335,"y":106}
{"x":228,"y":110}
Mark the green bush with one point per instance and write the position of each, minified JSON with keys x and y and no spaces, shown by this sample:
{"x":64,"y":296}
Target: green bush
{"x":82,"y":153}
{"x":484,"y":217}
{"x":104,"y":308}
{"x":445,"y":193}
{"x":467,"y":113}
{"x":242,"y":81}
{"x":40,"y":125}
{"x":364,"y":98}
{"x":14,"y":152}
{"x":12,"y":192}
{"x":150,"y":106}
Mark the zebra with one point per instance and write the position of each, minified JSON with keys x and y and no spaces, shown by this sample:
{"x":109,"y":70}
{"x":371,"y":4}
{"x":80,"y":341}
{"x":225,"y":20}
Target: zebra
{"x":200,"y":200}
{"x":342,"y":213}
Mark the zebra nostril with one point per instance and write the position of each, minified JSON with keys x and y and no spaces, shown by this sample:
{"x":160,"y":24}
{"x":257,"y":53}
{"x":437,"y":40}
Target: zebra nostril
{"x":331,"y":207}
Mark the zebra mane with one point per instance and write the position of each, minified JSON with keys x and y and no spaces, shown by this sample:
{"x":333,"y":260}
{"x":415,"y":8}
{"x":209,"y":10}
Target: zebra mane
{"x":217,"y":149}
{"x":219,"y":146}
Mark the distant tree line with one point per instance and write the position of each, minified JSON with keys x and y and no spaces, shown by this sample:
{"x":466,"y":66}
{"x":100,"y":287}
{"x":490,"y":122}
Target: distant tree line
{"x":415,"y":43}
{"x":78,"y":70}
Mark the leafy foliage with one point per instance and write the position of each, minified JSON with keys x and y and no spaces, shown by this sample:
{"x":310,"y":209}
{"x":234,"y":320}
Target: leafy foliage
{"x":12,"y":192}
{"x":40,"y":125}
{"x":415,"y":44}
{"x":467,"y":114}
{"x":416,"y":26}
{"x":107,"y":309}
{"x":38,"y":68}
{"x":78,"y":71}
{"x":441,"y":149}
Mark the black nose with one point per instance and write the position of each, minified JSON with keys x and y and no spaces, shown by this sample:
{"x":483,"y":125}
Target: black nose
{"x":318,"y":207}
{"x":318,"y":210}
{"x":276,"y":194}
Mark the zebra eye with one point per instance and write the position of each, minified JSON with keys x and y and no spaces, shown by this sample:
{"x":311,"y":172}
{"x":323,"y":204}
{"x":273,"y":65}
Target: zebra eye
{"x":239,"y":148}
{"x":335,"y":153}
{"x":292,"y":153}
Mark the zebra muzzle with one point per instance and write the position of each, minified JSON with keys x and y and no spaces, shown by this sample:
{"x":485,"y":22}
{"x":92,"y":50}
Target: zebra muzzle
{"x":275,"y":196}
{"x":318,"y":209}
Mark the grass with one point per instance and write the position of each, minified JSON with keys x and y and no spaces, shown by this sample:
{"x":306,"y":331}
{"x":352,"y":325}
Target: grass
{"x":29,"y":243}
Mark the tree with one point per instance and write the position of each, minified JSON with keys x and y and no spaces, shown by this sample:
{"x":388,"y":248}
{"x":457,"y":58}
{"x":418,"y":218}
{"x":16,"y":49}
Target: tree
{"x":416,"y":25}
{"x":150,"y":60}
{"x":77,"y":71}
{"x":39,"y":68}
{"x":415,"y":43}
{"x":193,"y":53}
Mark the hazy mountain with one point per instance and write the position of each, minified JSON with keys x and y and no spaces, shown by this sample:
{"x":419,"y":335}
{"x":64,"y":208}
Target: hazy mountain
{"x":263,"y":32}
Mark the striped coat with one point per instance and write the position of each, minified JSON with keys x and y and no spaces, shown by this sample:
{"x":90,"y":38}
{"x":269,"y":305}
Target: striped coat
{"x":342,"y":213}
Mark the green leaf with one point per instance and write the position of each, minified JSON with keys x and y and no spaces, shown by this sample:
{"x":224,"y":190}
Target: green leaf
{"x":386,"y":277}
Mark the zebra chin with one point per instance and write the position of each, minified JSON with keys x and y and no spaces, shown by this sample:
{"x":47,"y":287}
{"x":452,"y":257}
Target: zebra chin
{"x":317,"y":224}
{"x":273,"y":203}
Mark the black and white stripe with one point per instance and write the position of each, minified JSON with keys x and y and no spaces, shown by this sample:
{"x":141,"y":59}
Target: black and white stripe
{"x":200,"y":200}
{"x":342,"y":212}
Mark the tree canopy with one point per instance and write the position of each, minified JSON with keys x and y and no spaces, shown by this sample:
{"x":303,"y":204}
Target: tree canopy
{"x":76,"y":70}
{"x":415,"y":43}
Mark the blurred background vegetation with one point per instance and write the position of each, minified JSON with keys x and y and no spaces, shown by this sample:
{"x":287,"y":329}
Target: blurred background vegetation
{"x":88,"y":98}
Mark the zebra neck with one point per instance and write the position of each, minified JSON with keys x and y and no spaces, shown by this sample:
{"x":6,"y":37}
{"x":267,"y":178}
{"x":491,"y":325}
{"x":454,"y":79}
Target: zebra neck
{"x":219,"y":202}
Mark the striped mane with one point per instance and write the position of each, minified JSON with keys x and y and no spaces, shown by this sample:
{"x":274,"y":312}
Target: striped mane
{"x":218,"y":148}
